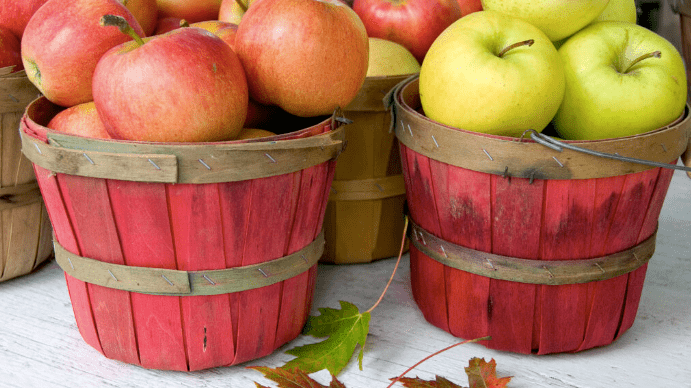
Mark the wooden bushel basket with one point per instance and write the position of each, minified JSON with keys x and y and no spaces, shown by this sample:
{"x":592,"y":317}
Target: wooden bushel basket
{"x":364,"y":216}
{"x":26,"y":233}
{"x":186,"y":256}
{"x":544,"y":251}
{"x":683,"y":8}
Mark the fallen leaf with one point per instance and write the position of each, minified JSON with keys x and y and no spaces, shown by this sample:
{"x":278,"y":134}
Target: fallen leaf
{"x":440,"y":382}
{"x":345,"y":329}
{"x":483,"y":374}
{"x":294,"y":378}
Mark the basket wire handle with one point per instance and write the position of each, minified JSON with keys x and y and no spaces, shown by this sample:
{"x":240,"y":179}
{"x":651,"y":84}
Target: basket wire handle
{"x":559,"y":146}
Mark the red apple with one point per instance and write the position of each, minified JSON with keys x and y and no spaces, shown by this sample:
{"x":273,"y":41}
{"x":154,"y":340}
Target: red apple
{"x":185,"y":85}
{"x":63,"y":42}
{"x":228,"y":34}
{"x":15,"y":14}
{"x":80,"y":120}
{"x":211,"y":25}
{"x":224,"y":30}
{"x":191,"y":10}
{"x":470,"y":6}
{"x":306,"y":56}
{"x":146,"y":13}
{"x":169,"y":23}
{"x":10,"y":50}
{"x":415,"y":24}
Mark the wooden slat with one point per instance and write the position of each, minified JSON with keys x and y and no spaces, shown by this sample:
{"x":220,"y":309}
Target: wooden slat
{"x":196,"y":226}
{"x":141,"y":212}
{"x":88,"y":206}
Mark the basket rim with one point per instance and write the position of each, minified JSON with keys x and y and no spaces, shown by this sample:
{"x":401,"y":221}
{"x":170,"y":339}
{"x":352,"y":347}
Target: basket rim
{"x":523,"y":157}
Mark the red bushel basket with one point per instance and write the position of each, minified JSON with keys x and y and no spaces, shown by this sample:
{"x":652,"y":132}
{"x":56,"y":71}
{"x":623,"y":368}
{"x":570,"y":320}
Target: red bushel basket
{"x":544,"y":251}
{"x":186,"y":256}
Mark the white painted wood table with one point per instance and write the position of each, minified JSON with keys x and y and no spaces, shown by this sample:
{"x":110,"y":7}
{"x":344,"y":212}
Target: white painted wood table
{"x":40,"y":345}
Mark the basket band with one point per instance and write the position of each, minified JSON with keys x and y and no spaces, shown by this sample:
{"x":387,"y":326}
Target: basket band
{"x":181,"y":163}
{"x":159,"y":281}
{"x":548,"y":272}
{"x":367,"y":189}
{"x":523,"y":158}
{"x":19,"y":195}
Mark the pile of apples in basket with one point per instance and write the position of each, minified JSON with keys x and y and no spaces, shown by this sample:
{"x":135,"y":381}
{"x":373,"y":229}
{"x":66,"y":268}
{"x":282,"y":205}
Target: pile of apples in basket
{"x":204,"y":71}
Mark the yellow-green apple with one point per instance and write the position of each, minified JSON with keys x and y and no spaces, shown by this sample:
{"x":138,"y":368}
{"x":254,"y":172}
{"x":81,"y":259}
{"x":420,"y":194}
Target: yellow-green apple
{"x":169,"y":23}
{"x":146,"y":13}
{"x":470,"y":6}
{"x":191,"y":10}
{"x":10,"y":50}
{"x":231,"y":11}
{"x":556,"y":18}
{"x":618,"y":10}
{"x":62,"y":43}
{"x":494,"y":73}
{"x":390,"y":58}
{"x":621,"y":79}
{"x":15,"y":14}
{"x":413,"y":23}
{"x":183,"y":86}
{"x":80,"y":120}
{"x":306,"y":56}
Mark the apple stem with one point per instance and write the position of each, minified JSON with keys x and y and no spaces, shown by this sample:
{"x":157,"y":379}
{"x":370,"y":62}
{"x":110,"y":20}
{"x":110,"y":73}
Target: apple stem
{"x":654,"y":54}
{"x":242,"y":5}
{"x":121,"y":23}
{"x":528,"y":42}
{"x":184,"y":23}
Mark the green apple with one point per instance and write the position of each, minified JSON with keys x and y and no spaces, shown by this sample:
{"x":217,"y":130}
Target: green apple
{"x":618,"y":10}
{"x":621,"y":79}
{"x":482,"y":74}
{"x":390,"y":58}
{"x":556,"y":18}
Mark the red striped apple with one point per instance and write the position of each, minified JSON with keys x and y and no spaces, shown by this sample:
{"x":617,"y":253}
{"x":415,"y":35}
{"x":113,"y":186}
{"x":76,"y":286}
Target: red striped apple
{"x":191,"y":10}
{"x":413,"y":23}
{"x":306,"y":56}
{"x":15,"y":14}
{"x":169,"y":23}
{"x":63,"y":42}
{"x":10,"y":50}
{"x":80,"y":120}
{"x":183,"y":86}
{"x":146,"y":13}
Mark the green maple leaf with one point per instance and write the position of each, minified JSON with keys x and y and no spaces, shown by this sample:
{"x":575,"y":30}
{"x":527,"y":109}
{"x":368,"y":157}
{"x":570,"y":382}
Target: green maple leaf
{"x":345,"y":329}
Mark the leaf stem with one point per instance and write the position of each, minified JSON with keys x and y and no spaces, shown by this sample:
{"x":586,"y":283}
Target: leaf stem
{"x":528,"y":43}
{"x":398,"y":261}
{"x":395,"y":380}
{"x":121,"y":23}
{"x":654,"y":54}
